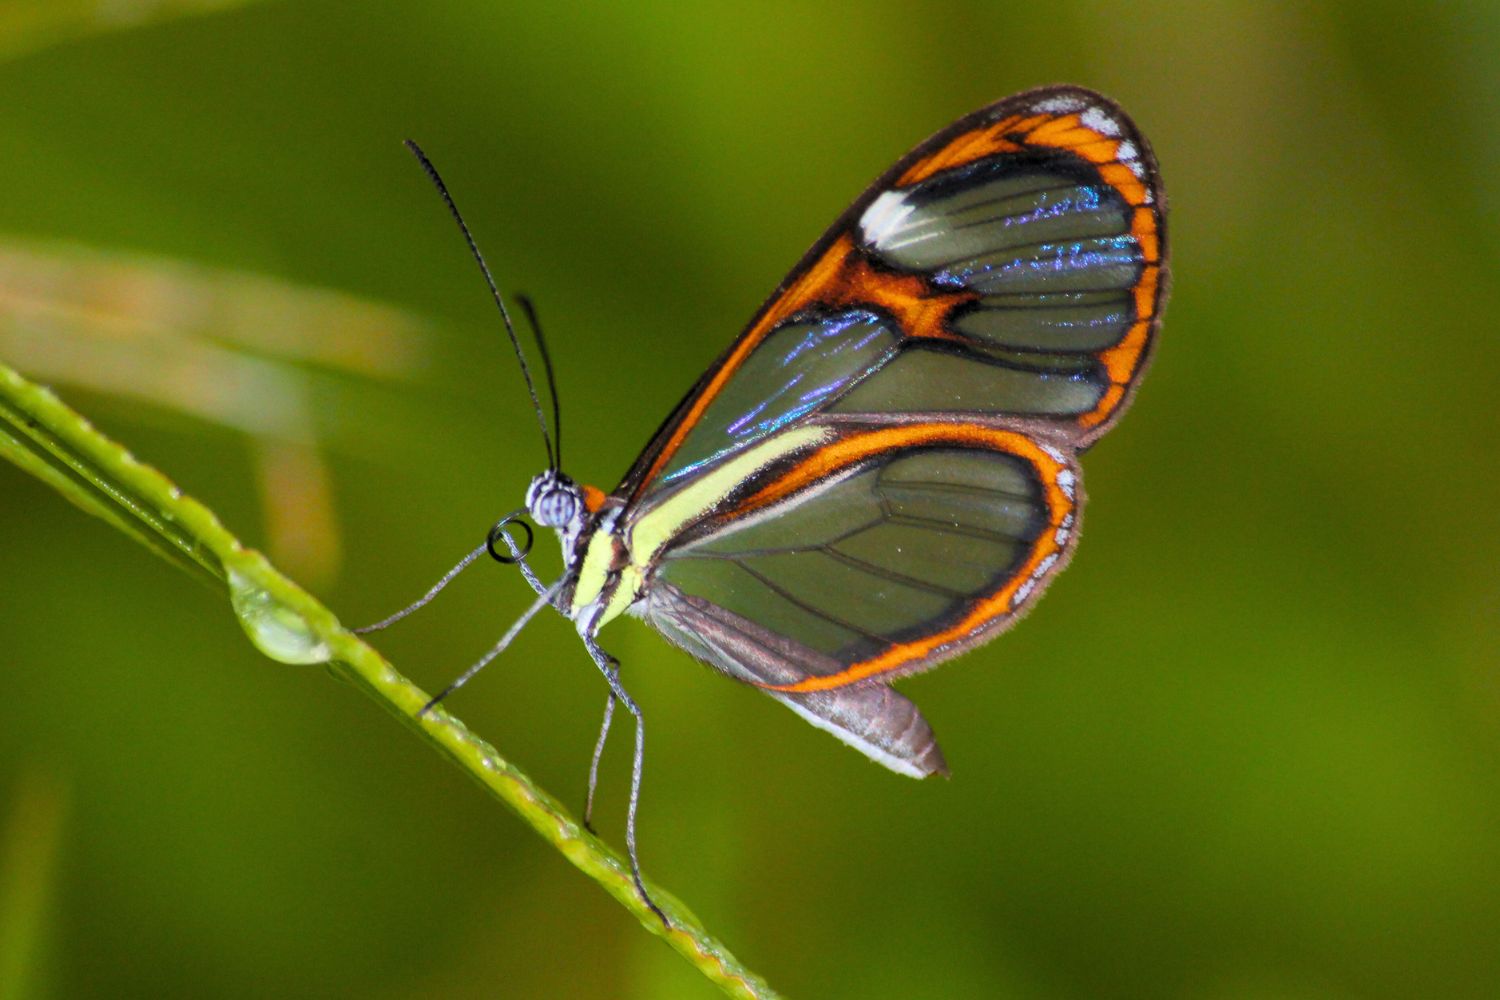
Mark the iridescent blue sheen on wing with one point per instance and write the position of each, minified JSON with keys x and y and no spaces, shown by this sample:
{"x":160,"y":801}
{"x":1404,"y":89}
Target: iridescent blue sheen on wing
{"x":1046,"y":243}
{"x":802,"y":367}
{"x":847,"y":334}
{"x":1087,"y":265}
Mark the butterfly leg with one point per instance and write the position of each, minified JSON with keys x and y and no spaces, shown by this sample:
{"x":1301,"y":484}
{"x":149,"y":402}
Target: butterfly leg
{"x":608,"y":667}
{"x":498,"y":532}
{"x":609,"y":714}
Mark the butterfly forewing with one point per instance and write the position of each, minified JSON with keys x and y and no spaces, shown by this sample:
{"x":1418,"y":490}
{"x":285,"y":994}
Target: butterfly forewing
{"x":1010,"y":268}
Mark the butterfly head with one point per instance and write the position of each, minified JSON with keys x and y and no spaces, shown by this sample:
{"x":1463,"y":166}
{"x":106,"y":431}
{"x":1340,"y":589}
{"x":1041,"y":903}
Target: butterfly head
{"x":554,"y":500}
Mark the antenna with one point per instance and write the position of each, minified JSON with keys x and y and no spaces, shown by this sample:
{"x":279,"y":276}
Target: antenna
{"x":541,"y":344}
{"x":510,"y":330}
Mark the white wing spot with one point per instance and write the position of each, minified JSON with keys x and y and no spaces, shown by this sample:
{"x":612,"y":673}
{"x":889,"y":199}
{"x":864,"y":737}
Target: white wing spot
{"x":1127,"y":153}
{"x":1066,"y":481}
{"x":1099,"y":121}
{"x":885,"y":217}
{"x":1059,"y":105}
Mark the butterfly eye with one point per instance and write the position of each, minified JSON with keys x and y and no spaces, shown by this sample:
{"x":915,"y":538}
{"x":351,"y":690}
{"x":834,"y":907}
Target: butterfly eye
{"x":556,"y":507}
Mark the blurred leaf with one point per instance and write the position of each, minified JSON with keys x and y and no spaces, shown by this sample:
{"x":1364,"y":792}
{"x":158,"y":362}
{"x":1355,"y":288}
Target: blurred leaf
{"x":240,"y":351}
{"x":27,"y":25}
{"x":28,"y":876}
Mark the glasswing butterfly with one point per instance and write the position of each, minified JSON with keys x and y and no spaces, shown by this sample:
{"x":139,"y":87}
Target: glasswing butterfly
{"x":881,"y":472}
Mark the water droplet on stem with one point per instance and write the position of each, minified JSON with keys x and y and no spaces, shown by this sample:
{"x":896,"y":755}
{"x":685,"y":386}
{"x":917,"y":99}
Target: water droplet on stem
{"x":277,"y":630}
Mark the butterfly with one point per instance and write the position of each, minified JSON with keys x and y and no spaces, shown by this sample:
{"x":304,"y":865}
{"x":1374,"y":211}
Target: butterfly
{"x":881,"y":472}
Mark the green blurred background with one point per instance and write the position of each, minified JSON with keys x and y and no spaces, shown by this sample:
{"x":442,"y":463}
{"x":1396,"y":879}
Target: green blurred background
{"x":1248,"y":747}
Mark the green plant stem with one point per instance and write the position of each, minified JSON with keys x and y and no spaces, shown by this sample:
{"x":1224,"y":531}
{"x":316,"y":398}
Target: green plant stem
{"x":43,"y":436}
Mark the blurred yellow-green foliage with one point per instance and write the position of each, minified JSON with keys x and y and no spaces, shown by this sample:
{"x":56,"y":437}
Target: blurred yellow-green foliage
{"x":1248,"y":747}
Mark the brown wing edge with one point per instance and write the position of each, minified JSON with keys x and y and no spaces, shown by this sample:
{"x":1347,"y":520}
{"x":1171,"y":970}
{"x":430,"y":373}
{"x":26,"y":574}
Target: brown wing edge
{"x":633,"y":482}
{"x":870,"y":716}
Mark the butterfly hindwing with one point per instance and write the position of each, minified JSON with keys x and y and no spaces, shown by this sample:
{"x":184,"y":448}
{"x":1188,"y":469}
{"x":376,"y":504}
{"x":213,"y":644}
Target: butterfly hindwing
{"x":861,"y":552}
{"x":875,"y":549}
